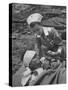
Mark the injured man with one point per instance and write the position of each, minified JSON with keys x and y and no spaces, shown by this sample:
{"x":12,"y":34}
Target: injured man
{"x":34,"y":67}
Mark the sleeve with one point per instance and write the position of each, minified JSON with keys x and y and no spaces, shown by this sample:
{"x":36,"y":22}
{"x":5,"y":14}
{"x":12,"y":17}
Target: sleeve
{"x":63,"y":52}
{"x":57,"y":39}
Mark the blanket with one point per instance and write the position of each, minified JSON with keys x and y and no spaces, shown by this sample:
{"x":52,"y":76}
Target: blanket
{"x":57,"y":76}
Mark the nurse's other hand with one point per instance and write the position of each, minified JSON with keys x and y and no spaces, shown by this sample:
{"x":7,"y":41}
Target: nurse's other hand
{"x":52,"y":53}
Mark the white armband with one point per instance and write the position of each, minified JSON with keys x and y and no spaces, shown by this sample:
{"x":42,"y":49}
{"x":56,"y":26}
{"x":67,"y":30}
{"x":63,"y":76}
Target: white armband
{"x":59,"y":50}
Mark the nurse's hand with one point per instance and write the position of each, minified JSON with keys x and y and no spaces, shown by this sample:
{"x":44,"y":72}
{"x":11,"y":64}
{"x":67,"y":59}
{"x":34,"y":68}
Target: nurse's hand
{"x":58,"y":52}
{"x":52,"y":53}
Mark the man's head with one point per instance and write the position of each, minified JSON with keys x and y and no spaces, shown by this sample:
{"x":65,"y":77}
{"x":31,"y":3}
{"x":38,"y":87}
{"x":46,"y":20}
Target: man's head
{"x":34,"y":20}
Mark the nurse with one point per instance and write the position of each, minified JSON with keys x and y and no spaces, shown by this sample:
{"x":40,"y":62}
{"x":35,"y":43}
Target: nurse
{"x":45,"y":36}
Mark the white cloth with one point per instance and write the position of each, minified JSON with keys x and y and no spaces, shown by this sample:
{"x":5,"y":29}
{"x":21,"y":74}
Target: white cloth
{"x":25,"y":80}
{"x":28,"y":57}
{"x":27,"y":72}
{"x":47,"y":30}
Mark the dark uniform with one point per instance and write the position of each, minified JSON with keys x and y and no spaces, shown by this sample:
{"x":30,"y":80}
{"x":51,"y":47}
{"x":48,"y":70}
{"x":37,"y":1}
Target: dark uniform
{"x":50,"y":41}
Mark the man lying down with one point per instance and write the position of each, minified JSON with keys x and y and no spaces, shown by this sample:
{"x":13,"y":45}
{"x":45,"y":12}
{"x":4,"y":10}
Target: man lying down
{"x":47,"y":63}
{"x":42,"y":72}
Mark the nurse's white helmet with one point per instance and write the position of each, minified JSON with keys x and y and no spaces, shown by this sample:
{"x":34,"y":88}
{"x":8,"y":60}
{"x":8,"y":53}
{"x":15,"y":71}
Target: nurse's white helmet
{"x":36,"y":17}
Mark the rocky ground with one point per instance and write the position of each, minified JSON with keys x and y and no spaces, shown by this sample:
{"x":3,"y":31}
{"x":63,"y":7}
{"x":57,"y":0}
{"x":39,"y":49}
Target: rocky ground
{"x":22,"y":37}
